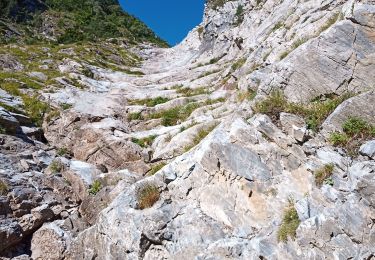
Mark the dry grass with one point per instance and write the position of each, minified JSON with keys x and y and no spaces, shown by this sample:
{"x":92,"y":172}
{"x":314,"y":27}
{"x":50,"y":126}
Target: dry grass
{"x":147,"y":196}
{"x":324,"y":173}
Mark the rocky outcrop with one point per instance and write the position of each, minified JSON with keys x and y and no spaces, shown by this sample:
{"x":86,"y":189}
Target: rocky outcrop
{"x":185,"y":129}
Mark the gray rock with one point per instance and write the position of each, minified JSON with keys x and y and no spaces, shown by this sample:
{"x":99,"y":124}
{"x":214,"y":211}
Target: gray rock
{"x":8,"y":122}
{"x":10,"y":63}
{"x":294,"y":126}
{"x":368,"y":149}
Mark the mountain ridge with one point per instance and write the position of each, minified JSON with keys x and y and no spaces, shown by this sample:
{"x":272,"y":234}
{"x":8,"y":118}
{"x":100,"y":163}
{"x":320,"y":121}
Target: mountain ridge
{"x":71,"y":21}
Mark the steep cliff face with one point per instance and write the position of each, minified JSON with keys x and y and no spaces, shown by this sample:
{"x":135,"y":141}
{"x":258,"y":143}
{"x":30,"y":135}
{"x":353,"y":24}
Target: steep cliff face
{"x":252,"y":139}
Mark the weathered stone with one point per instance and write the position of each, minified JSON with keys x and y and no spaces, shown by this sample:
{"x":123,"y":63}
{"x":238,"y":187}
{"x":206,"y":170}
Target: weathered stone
{"x":50,"y":242}
{"x":368,"y":149}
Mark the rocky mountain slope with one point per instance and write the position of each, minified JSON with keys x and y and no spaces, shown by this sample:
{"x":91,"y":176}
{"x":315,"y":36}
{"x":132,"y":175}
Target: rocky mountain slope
{"x":252,"y":139}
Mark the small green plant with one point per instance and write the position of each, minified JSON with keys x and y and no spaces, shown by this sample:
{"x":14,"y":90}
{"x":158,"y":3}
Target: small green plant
{"x":172,"y":116}
{"x":95,"y":187}
{"x":207,"y":73}
{"x":149,"y":102}
{"x":65,"y":106}
{"x":190,"y":92}
{"x":330,"y":22}
{"x":238,"y":64}
{"x":289,"y":224}
{"x":199,"y":137}
{"x":56,"y":166}
{"x":338,"y":139}
{"x":144,"y":142}
{"x":147,"y":195}
{"x":246,"y":95}
{"x":277,"y":26}
{"x":355,"y":132}
{"x":62,"y":151}
{"x":135,"y":116}
{"x":239,"y":17}
{"x":314,"y":113}
{"x":3,"y":188}
{"x":2,"y":130}
{"x":155,"y":168}
{"x":324,"y":173}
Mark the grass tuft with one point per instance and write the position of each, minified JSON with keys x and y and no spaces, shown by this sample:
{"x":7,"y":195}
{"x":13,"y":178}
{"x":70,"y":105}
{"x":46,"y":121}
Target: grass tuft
{"x":147,"y":196}
{"x":155,"y":168}
{"x":3,"y":188}
{"x":323,"y":174}
{"x":355,"y":132}
{"x":95,"y":187}
{"x":289,"y":224}
{"x":144,"y":142}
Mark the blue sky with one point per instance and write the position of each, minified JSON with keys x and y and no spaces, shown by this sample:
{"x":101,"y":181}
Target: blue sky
{"x":170,"y":19}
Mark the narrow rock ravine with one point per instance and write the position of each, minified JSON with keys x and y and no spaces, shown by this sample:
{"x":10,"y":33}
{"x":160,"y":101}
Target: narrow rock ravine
{"x":254,"y":138}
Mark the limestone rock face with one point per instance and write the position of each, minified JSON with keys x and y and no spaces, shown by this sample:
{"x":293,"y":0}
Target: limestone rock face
{"x":169,"y":157}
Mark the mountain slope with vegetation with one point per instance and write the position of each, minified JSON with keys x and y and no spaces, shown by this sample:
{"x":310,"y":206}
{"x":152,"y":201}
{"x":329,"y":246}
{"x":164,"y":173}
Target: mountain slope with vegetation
{"x":254,"y":138}
{"x":66,"y":21}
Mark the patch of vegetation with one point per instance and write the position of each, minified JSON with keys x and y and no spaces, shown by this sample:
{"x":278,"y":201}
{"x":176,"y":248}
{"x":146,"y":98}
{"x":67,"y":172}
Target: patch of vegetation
{"x":199,"y":137}
{"x":144,"y":142}
{"x":2,"y":130}
{"x":75,"y":21}
{"x":355,"y":132}
{"x":3,"y":188}
{"x":62,"y":151}
{"x":238,"y":64}
{"x":95,"y":187}
{"x":56,"y":166}
{"x":65,"y":106}
{"x":52,"y":114}
{"x":155,"y":168}
{"x":149,"y":102}
{"x":323,"y":174}
{"x":189,"y":92}
{"x":289,"y":224}
{"x":135,"y":116}
{"x":331,"y":21}
{"x":147,"y":195}
{"x":207,"y":73}
{"x":216,"y":4}
{"x":278,"y":26}
{"x":294,"y":46}
{"x":35,"y":108}
{"x":239,"y":16}
{"x":174,"y":115}
{"x":246,"y":95}
{"x":314,"y":113}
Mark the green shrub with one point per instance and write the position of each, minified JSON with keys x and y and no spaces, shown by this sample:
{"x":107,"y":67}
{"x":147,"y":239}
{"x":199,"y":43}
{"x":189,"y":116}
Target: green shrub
{"x":62,"y":151}
{"x":189,"y":92}
{"x":135,"y":116}
{"x":314,"y":113}
{"x":355,"y":132}
{"x":239,"y":17}
{"x":172,"y":116}
{"x":35,"y":108}
{"x":65,"y":106}
{"x":3,"y":188}
{"x":144,"y":142}
{"x":246,"y":95}
{"x":149,"y":102}
{"x":238,"y":64}
{"x":147,"y":196}
{"x":56,"y":166}
{"x":338,"y":139}
{"x":324,"y":173}
{"x":95,"y":187}
{"x":289,"y":224}
{"x":199,"y":137}
{"x":155,"y":168}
